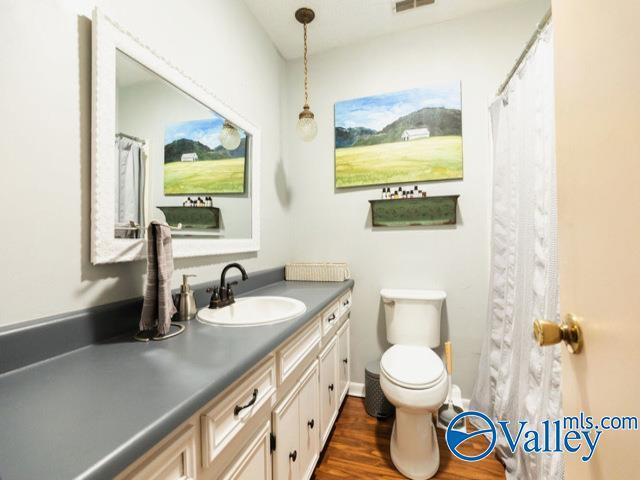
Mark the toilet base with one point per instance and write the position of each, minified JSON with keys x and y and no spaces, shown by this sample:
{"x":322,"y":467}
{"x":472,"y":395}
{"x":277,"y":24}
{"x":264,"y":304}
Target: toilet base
{"x":414,"y":445}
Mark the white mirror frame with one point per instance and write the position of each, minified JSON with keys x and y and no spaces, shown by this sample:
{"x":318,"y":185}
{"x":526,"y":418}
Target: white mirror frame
{"x":108,"y":37}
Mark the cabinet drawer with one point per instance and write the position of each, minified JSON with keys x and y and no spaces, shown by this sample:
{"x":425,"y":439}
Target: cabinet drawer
{"x":254,"y":463}
{"x":237,"y":406}
{"x":330,"y":318}
{"x":176,"y":460}
{"x":294,"y":352}
{"x":345,"y":303}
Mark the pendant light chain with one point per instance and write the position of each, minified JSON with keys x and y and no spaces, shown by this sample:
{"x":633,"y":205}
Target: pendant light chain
{"x":306,"y":127}
{"x":306,"y":71}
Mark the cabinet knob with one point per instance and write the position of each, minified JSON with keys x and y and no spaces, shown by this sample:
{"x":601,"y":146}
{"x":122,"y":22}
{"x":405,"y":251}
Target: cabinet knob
{"x":331,"y":387}
{"x":311,"y":423}
{"x":293,"y":455}
{"x":345,"y":360}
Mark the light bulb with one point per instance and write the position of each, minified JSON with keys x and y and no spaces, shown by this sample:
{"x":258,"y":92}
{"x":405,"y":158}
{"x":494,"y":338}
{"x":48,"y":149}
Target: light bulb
{"x":307,"y":126}
{"x":229,"y":136}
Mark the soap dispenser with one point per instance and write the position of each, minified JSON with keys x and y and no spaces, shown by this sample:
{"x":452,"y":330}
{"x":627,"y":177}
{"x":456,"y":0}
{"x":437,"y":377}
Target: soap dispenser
{"x":186,"y":301}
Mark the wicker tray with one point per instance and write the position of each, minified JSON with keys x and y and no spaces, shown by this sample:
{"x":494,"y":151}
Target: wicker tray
{"x":317,"y":272}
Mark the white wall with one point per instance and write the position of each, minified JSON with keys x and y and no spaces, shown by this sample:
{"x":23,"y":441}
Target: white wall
{"x":335,"y":225}
{"x":45,"y":99}
{"x":45,"y":46}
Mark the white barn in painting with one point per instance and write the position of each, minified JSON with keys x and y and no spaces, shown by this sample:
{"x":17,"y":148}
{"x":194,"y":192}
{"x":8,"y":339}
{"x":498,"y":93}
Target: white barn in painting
{"x":189,"y":157}
{"x":415,"y":133}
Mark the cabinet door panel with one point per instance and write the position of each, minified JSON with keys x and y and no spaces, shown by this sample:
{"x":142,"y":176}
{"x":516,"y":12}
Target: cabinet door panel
{"x":328,"y":389}
{"x":286,"y":428}
{"x":344,"y":359}
{"x":176,"y":460}
{"x":309,"y":422}
{"x":255,"y":462}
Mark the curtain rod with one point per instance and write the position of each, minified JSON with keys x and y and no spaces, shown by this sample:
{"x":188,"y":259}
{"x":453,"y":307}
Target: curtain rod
{"x":131,"y":137}
{"x":541,"y":25}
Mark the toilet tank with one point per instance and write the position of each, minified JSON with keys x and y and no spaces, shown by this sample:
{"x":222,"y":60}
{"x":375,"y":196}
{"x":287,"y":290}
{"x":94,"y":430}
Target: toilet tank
{"x":413,"y":316}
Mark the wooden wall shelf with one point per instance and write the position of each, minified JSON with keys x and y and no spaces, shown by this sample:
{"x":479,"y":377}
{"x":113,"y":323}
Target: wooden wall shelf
{"x":408,"y":212}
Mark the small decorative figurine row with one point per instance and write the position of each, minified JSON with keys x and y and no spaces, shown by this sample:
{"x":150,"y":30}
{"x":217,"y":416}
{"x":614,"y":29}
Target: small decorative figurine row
{"x":399,"y":192}
{"x":199,"y":202}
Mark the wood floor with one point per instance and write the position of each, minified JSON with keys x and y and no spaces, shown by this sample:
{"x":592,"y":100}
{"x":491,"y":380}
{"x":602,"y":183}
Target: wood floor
{"x":359,"y":448}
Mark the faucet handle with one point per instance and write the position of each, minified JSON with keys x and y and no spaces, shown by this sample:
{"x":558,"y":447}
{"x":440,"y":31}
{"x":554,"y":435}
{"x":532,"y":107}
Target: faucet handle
{"x":215,"y":297}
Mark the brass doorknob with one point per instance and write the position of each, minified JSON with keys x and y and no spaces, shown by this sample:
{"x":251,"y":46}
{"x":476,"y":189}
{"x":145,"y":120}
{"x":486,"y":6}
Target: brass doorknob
{"x":569,"y":331}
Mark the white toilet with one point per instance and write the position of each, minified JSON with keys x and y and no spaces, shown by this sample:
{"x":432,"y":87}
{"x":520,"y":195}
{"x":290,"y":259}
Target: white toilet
{"x":413,"y":378}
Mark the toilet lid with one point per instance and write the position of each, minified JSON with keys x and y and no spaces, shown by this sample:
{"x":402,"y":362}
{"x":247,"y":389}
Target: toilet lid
{"x":412,"y":366}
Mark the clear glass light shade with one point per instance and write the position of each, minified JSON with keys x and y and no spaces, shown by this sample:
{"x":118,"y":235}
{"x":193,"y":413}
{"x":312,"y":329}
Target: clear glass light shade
{"x":307,"y":127}
{"x":229,"y":137}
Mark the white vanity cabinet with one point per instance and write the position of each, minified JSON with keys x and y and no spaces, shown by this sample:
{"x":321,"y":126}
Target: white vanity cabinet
{"x":254,"y":463}
{"x":295,"y":429}
{"x":272,"y":422}
{"x":328,"y":388}
{"x":308,"y":427}
{"x":344,"y":360}
{"x":175,"y":459}
{"x":286,"y":421}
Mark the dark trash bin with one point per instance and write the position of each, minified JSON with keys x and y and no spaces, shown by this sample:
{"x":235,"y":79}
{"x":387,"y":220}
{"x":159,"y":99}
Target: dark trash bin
{"x":375,"y":403}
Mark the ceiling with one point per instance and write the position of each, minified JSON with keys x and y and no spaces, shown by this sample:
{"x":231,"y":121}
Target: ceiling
{"x":341,"y":22}
{"x":129,"y":72}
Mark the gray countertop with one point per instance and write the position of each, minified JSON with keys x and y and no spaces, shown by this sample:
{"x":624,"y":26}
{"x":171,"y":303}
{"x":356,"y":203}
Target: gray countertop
{"x":91,"y":412}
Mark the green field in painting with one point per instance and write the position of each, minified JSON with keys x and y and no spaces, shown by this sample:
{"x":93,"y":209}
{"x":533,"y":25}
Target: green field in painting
{"x":204,"y":176}
{"x":434,"y":158}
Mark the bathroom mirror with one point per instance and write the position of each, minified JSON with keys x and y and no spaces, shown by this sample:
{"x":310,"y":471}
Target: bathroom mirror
{"x":165,"y":149}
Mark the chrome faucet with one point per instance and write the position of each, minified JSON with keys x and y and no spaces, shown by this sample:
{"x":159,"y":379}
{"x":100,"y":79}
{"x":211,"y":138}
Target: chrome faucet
{"x":222,"y":296}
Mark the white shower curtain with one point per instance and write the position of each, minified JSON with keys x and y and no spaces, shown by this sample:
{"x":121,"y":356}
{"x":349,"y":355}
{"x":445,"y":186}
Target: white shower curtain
{"x":129,"y":185}
{"x":517,"y":379}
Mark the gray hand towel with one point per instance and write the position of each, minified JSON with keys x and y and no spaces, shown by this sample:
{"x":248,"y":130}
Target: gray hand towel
{"x":158,"y":307}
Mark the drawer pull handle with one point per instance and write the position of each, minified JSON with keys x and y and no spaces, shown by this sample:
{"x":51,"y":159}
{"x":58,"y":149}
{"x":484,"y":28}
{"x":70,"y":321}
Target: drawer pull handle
{"x":293,"y":455}
{"x":311,"y":423}
{"x":345,"y":303}
{"x":332,"y":317}
{"x":345,"y":360}
{"x":239,"y":408}
{"x":331,"y":387}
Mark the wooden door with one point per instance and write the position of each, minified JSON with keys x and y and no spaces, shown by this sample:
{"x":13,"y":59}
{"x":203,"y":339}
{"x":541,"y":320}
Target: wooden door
{"x":597,"y":65}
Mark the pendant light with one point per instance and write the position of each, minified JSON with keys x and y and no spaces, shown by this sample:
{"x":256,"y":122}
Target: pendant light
{"x":307,"y":126}
{"x":229,"y":136}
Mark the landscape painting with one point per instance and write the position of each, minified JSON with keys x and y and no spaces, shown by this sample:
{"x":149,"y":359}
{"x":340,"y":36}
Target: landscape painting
{"x":196,"y":163}
{"x":408,"y":136}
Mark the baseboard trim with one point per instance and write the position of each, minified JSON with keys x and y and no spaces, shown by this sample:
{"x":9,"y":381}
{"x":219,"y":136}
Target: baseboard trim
{"x":356,"y":389}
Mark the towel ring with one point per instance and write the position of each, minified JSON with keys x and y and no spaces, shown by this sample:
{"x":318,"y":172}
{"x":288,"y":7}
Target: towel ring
{"x":141,"y":338}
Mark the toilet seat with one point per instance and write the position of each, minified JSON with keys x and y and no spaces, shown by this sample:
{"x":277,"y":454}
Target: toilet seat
{"x":413,"y":367}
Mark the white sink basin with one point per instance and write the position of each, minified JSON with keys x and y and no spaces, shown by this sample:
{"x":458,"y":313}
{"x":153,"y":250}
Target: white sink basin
{"x":253,"y":311}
